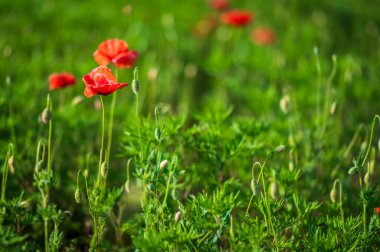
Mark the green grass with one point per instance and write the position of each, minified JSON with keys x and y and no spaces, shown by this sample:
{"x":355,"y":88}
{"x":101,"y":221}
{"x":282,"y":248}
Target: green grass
{"x":229,"y":185}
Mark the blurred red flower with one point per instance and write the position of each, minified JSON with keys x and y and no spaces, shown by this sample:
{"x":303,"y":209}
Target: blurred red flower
{"x":61,"y":80}
{"x":263,"y":36}
{"x":101,"y":81}
{"x":377,"y":210}
{"x":220,"y":4}
{"x":115,"y":51}
{"x":237,"y":17}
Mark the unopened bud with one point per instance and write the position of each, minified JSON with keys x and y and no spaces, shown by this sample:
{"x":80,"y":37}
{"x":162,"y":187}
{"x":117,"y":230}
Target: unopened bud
{"x":333,"y":195}
{"x":11,"y":164}
{"x":24,"y":204}
{"x":178,"y":216}
{"x":104,"y":169}
{"x":163,"y":164}
{"x":367,"y":178}
{"x":85,"y":173}
{"x":46,"y":116}
{"x":253,"y":187}
{"x":280,"y":148}
{"x":291,"y":166}
{"x":273,"y":190}
{"x":38,"y":166}
{"x":77,"y":195}
{"x":285,"y":104}
{"x":126,"y":186}
{"x":157,"y":134}
{"x":135,"y":86}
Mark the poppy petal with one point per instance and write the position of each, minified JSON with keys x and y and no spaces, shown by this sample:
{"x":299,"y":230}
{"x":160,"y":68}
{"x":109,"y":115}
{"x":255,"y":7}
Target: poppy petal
{"x":105,"y":71}
{"x":112,"y":47}
{"x":100,"y":58}
{"x":126,"y":59}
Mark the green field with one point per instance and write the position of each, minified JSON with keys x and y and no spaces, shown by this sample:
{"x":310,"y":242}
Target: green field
{"x":229,"y":144}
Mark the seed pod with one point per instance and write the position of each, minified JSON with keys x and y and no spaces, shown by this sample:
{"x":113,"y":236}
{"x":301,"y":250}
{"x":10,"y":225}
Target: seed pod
{"x":11,"y":164}
{"x":157,"y":134}
{"x":273,"y":190}
{"x":77,"y":195}
{"x":46,"y":116}
{"x":280,"y":148}
{"x":104,"y":169}
{"x":163,"y":164}
{"x":135,"y":86}
{"x":178,"y":216}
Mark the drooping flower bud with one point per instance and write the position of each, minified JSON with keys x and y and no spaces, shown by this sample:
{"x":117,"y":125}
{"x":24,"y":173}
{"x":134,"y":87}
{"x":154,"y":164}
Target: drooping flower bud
{"x":157,"y":134}
{"x":367,"y":178}
{"x":285,"y":104}
{"x":46,"y":116}
{"x":135,"y":86}
{"x":11,"y":164}
{"x":280,"y":148}
{"x":178,"y":216}
{"x":273,"y":190}
{"x":253,"y":186}
{"x":38,"y":166}
{"x":333,"y":192}
{"x":163,"y":164}
{"x":77,"y":195}
{"x":104,"y":169}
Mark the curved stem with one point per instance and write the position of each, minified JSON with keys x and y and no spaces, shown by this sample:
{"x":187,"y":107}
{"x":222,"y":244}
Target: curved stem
{"x":370,"y":138}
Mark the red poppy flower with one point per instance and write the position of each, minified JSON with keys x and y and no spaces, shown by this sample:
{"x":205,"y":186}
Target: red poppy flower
{"x":263,"y":36}
{"x":125,"y":59}
{"x":377,"y":210}
{"x":61,"y":80}
{"x":113,"y":50}
{"x":101,"y":81}
{"x":237,"y":17}
{"x":219,"y":4}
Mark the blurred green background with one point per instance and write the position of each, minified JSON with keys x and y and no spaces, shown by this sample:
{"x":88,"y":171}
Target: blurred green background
{"x":184,"y":72}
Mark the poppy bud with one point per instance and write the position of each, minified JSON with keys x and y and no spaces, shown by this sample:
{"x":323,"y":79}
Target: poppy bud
{"x":104,"y":169}
{"x":333,"y":195}
{"x":157,"y":134}
{"x":38,"y":166}
{"x":11,"y":164}
{"x":352,"y":170}
{"x":127,"y":186}
{"x":253,"y":186}
{"x":77,"y":195}
{"x":273,"y":190}
{"x":46,"y":116}
{"x":178,"y":216}
{"x":85,"y":173}
{"x":280,"y":148}
{"x":285,"y":104}
{"x":163,"y":164}
{"x":24,"y":204}
{"x":135,"y":86}
{"x":367,"y":178}
{"x":333,"y":192}
{"x":291,"y":166}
